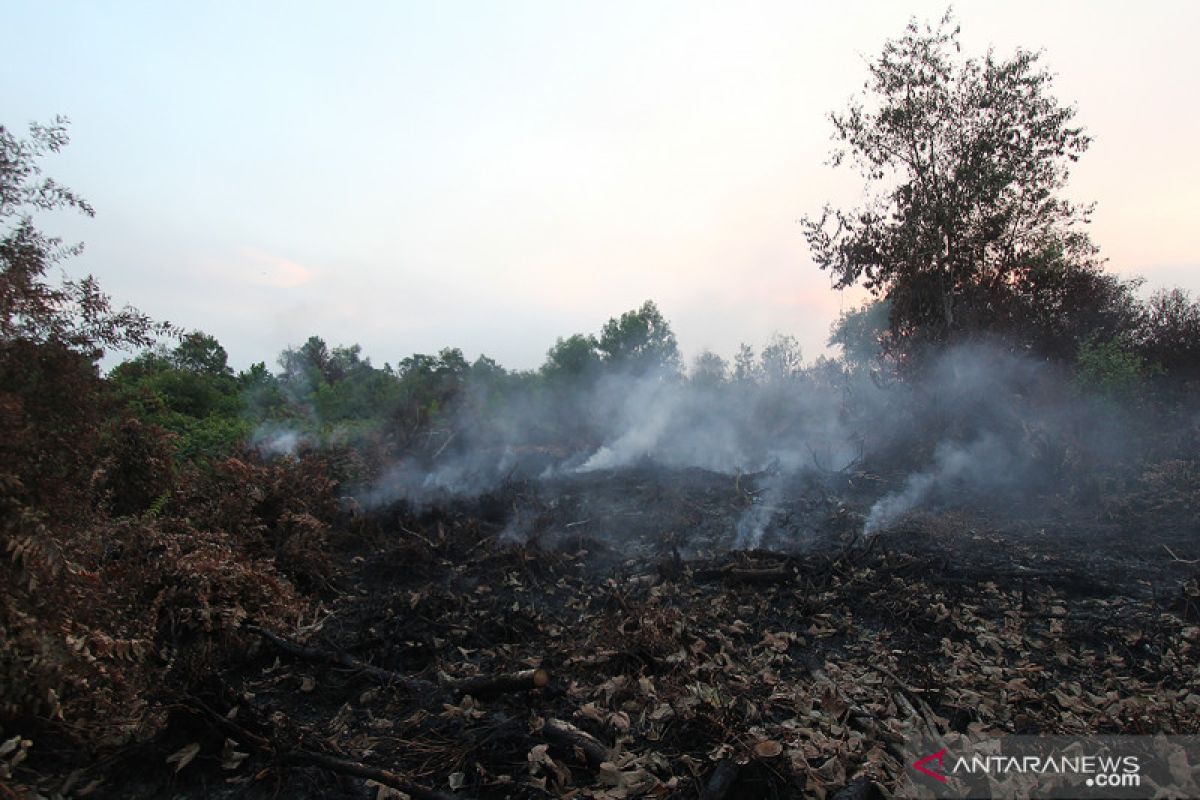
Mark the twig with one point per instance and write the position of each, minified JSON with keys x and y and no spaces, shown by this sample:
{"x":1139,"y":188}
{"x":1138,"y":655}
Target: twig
{"x":425,"y":539}
{"x":231,"y":728}
{"x":360,"y":770}
{"x":1178,"y":559}
{"x":752,"y":575}
{"x":909,"y":700}
{"x":386,"y":676}
{"x":478,"y":686}
{"x":449,"y":439}
{"x":321,"y":760}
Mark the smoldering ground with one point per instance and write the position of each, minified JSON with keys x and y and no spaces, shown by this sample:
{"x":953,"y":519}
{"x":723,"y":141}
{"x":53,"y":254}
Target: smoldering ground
{"x":820,"y":449}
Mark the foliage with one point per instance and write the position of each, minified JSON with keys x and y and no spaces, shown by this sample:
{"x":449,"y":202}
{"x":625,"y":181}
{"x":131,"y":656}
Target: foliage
{"x":572,"y":358}
{"x":709,"y":369}
{"x":781,"y":359}
{"x":1169,"y":335}
{"x":140,"y":528}
{"x":964,"y":228}
{"x":1110,"y":368}
{"x":745,"y":365}
{"x":75,"y":313}
{"x":640,"y":342}
{"x":861,"y":332}
{"x":112,"y":597}
{"x":190,"y":391}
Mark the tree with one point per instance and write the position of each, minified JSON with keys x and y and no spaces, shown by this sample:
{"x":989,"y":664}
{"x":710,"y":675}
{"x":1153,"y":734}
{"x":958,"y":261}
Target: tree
{"x":964,"y":160}
{"x":745,"y":365}
{"x":51,"y":336}
{"x":305,"y":367}
{"x":781,"y":358}
{"x":75,"y":314}
{"x":861,"y":332}
{"x":1170,"y":334}
{"x":640,"y":342}
{"x":201,"y":353}
{"x":572,"y":358}
{"x":709,"y":369}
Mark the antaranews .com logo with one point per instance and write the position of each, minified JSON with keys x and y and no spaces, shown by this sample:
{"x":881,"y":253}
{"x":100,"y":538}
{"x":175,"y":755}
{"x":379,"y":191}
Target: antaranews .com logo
{"x":1053,"y":767}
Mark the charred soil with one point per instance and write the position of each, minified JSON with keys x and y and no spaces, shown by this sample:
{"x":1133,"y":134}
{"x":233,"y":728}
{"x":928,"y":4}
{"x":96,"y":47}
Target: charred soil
{"x":601,"y":635}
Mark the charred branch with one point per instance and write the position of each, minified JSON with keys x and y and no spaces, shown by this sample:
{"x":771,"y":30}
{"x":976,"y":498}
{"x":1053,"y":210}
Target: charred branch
{"x":503,"y":683}
{"x":580,"y":744}
{"x":359,"y":770}
{"x":318,"y":655}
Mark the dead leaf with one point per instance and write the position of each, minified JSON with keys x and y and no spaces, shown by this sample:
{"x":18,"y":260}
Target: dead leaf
{"x":182,"y":757}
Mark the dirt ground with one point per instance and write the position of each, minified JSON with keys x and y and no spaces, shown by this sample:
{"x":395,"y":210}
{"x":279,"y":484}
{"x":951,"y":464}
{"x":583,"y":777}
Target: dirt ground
{"x":602,"y":636}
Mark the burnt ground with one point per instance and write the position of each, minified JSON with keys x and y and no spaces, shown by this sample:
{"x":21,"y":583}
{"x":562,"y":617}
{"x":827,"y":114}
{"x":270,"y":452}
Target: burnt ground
{"x":677,"y":664}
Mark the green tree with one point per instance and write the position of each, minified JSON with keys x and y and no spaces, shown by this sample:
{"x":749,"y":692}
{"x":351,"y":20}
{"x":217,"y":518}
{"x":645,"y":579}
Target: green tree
{"x":861,"y":333}
{"x":201,"y":353}
{"x":305,"y":367}
{"x":571,"y":358}
{"x":965,"y":227}
{"x":188,"y":390}
{"x":781,"y":359}
{"x":709,"y":369}
{"x":74,"y":313}
{"x":1111,"y":369}
{"x":1170,"y":334}
{"x":640,"y":342}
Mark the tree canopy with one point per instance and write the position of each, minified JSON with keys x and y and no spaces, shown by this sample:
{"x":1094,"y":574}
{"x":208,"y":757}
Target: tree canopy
{"x":965,"y":227}
{"x":640,"y":341}
{"x":75,"y":313}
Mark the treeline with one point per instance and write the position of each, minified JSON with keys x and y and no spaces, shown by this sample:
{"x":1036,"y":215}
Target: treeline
{"x":335,"y":395}
{"x":319,"y":393}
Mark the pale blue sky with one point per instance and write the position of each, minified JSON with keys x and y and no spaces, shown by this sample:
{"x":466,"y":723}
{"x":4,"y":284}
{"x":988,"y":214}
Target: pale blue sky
{"x":491,"y":176}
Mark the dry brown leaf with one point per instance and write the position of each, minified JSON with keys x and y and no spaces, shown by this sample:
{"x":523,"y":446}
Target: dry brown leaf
{"x":184,"y":756}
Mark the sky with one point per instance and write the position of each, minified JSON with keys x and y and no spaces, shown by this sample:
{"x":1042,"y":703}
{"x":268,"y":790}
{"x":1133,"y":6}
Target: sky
{"x":490,"y":176}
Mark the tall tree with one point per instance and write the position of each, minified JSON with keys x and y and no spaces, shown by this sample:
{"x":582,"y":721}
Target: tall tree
{"x":965,"y":159}
{"x":640,"y":342}
{"x":572,"y":358}
{"x":75,"y":313}
{"x":52,"y":334}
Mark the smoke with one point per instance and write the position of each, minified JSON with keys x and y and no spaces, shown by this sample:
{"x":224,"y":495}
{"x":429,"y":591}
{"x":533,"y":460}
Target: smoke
{"x":622,"y":420}
{"x":979,"y":424}
{"x":273,"y":440}
{"x":988,"y":463}
{"x":752,"y":525}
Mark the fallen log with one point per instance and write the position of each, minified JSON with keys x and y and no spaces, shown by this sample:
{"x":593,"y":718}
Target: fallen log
{"x":360,"y":770}
{"x":567,"y":737}
{"x":721,"y":780}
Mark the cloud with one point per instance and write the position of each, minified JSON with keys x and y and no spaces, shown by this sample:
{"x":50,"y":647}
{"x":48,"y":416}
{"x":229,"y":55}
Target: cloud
{"x":265,"y":269}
